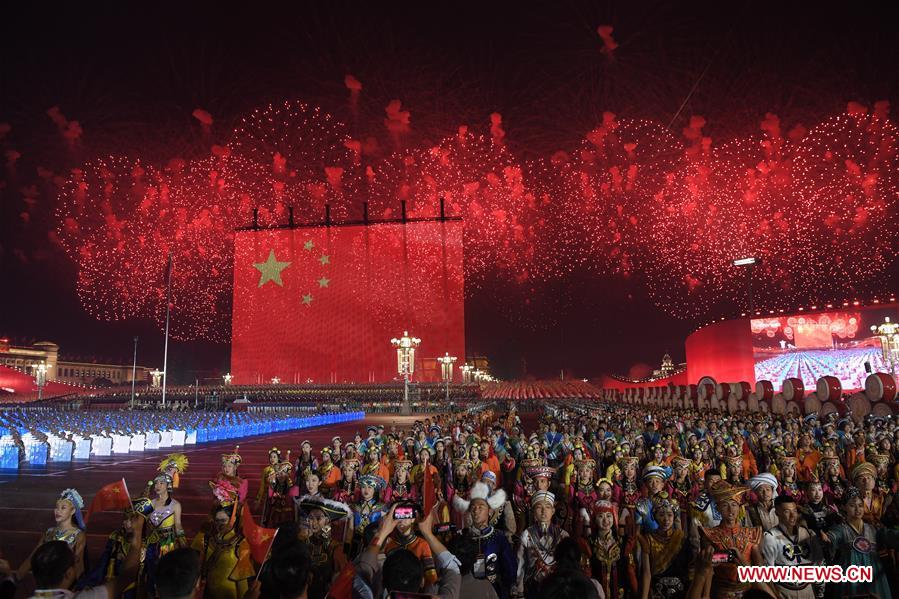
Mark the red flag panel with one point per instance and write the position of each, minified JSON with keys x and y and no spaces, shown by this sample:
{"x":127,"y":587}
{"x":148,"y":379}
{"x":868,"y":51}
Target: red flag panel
{"x":321,"y":304}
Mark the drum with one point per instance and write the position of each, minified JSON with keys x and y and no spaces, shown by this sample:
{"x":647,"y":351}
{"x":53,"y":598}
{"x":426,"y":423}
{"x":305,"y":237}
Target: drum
{"x":741,"y":390}
{"x":764,"y":390}
{"x":752,"y":403}
{"x":813,"y":403}
{"x":859,"y":406}
{"x":779,"y":404}
{"x":829,"y":388}
{"x":722,"y":390}
{"x":880,"y":387}
{"x":793,"y":389}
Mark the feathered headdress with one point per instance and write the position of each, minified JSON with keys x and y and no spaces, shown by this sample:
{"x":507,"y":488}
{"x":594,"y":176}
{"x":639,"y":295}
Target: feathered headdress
{"x":174,"y":465}
{"x":480,"y":491}
{"x":334,"y":510}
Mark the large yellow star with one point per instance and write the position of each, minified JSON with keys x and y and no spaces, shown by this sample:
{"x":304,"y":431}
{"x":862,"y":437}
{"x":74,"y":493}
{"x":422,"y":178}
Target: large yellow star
{"x":271,"y":270}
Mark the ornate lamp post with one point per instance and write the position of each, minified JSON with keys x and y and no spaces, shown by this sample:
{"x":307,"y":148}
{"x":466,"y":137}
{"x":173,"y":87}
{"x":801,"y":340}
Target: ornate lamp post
{"x":446,"y":369}
{"x":405,"y":363}
{"x":40,"y":378}
{"x":276,"y":380}
{"x":466,"y":372}
{"x":227,"y":377}
{"x":157,"y":377}
{"x":888,"y":333}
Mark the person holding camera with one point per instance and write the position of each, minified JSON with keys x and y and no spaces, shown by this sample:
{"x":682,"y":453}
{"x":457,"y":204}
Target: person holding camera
{"x":403,"y":572}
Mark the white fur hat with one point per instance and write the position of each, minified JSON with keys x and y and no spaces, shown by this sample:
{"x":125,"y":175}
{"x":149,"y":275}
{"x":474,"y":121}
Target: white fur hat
{"x":480,"y":491}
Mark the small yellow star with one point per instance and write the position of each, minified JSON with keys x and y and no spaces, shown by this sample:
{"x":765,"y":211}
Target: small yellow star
{"x":308,"y":245}
{"x":271,"y":270}
{"x":325,"y":260}
{"x":307,"y":300}
{"x":323,"y":282}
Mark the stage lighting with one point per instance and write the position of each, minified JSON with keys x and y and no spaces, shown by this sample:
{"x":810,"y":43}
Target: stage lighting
{"x":745,"y":261}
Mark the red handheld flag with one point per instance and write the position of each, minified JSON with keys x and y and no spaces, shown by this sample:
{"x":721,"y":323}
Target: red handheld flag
{"x":113,"y":496}
{"x":259,"y":538}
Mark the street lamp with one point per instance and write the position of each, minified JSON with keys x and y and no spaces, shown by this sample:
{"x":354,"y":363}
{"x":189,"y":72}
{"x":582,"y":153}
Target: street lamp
{"x":157,"y":377}
{"x":888,"y":333}
{"x":227,"y":376}
{"x":405,"y":363}
{"x":446,"y":368}
{"x":749,"y":263}
{"x":466,"y":372}
{"x":40,"y":378}
{"x":276,"y":380}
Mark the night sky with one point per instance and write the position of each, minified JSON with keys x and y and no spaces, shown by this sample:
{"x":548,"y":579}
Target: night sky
{"x":131,"y":76}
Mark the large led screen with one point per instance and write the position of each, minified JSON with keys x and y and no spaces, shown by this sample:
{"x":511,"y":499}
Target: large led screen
{"x":321,"y":304}
{"x":808,"y":346}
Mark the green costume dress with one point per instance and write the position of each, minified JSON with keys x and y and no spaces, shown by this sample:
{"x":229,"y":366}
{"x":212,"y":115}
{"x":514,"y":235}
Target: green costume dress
{"x":853,"y":548}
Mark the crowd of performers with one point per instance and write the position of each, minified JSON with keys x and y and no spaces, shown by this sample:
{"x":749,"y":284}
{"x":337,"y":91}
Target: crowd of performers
{"x":661,"y":504}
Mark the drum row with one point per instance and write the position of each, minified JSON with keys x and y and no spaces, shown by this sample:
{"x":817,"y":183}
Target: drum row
{"x":879,"y":397}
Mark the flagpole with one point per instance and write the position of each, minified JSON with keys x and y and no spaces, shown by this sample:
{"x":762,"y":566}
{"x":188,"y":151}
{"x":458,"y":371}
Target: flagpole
{"x":168,"y":310}
{"x":127,"y":492}
{"x":134,"y":373}
{"x":267,"y":554}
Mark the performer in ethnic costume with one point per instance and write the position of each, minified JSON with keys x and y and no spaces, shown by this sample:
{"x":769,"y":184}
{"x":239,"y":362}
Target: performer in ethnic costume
{"x":537,"y":544}
{"x":326,"y":552}
{"x":426,"y":481}
{"x":863,"y":476}
{"x":328,"y":473}
{"x":816,"y":513}
{"x":503,"y":517}
{"x":730,"y":537}
{"x":306,"y":463}
{"x":627,"y":490}
{"x":400,"y":487}
{"x":856,"y":543}
{"x":790,"y":544}
{"x":163,"y":532}
{"x":118,"y":544}
{"x":274,"y":458}
{"x":665,"y":553}
{"x":604,"y":552}
{"x":834,"y":483}
{"x":582,"y":494}
{"x":786,"y":474}
{"x":369,"y":509}
{"x":496,"y":558}
{"x":760,"y":513}
{"x":654,"y":478}
{"x":683,"y":489}
{"x":230,"y":463}
{"x":281,"y":495}
{"x":346,"y":491}
{"x":69,"y":528}
{"x":226,"y":563}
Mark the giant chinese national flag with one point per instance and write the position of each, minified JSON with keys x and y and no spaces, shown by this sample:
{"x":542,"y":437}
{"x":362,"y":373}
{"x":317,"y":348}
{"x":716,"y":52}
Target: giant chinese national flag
{"x":320,"y":304}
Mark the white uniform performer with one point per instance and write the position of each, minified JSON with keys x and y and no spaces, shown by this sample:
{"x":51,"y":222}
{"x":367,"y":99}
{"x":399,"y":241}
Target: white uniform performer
{"x":781,"y":549}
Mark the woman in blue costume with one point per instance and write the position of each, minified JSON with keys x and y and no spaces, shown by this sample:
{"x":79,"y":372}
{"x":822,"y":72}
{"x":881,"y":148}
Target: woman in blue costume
{"x":856,"y":543}
{"x":69,"y":528}
{"x":162,"y":533}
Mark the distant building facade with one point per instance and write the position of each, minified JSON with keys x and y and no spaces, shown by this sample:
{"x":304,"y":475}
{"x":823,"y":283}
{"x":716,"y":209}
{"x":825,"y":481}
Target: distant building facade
{"x":27,"y":358}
